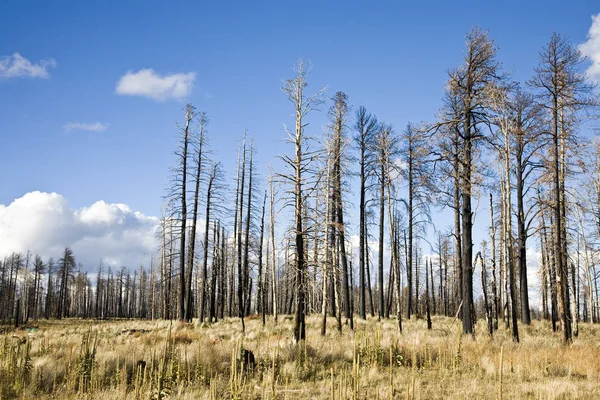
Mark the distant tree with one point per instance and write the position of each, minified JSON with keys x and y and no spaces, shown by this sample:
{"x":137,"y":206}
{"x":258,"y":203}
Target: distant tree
{"x":38,"y":269}
{"x":49,"y":290}
{"x":66,"y":265}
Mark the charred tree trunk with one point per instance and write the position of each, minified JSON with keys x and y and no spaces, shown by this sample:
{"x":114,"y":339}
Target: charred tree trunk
{"x":189,"y":114}
{"x":209,"y":192}
{"x":240,"y":289}
{"x":192,"y":243}
{"x":261,"y":280}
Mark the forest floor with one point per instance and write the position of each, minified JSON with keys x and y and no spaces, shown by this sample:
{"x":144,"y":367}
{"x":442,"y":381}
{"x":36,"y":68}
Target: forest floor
{"x":132,"y":359}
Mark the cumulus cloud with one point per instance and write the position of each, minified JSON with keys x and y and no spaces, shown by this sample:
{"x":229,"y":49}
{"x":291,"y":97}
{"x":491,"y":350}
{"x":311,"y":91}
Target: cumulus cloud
{"x":80,"y":126}
{"x":591,"y":48}
{"x":148,"y":83}
{"x":44,"y":223}
{"x":17,"y":66}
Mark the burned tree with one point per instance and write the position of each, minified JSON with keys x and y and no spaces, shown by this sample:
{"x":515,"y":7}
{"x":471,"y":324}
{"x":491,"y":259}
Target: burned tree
{"x":294,"y":91}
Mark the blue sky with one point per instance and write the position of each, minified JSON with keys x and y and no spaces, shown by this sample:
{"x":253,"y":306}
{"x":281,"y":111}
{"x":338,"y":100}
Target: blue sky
{"x":389,"y":56}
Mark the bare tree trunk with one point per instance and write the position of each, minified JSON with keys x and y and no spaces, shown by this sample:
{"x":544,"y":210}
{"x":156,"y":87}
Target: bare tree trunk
{"x":417,"y":268}
{"x":206,"y":233}
{"x":153,"y":288}
{"x":344,"y":260}
{"x":544,"y":266}
{"x":336,"y":279}
{"x":223,"y":275}
{"x":192,"y":243}
{"x":550,"y":251}
{"x":522,"y":246}
{"x":494,"y":282}
{"x":574,"y":301}
{"x":189,"y":114}
{"x":432,"y":286}
{"x":427,"y":311}
{"x":339,"y":112}
{"x":458,"y":256}
{"x":327,"y":264}
{"x":467,"y":236}
{"x":235,"y":244}
{"x":559,"y":249}
{"x":588,"y":267}
{"x":273,"y":263}
{"x":393,"y":243}
{"x":409,"y":250}
{"x":294,"y":90}
{"x":240,"y":289}
{"x":247,"y":300}
{"x":488,"y":310}
{"x":508,"y":240}
{"x":366,"y":126}
{"x":368,"y":270}
{"x":504,"y":248}
{"x":261,"y":284}
{"x":214,"y":273}
{"x":363,"y":252}
{"x":381,"y":237}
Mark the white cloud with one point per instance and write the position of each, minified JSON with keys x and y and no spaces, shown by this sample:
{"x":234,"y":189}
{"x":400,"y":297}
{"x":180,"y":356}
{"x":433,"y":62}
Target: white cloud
{"x":591,"y":48}
{"x":17,"y":66}
{"x":79,"y":126}
{"x":148,"y":83}
{"x":44,"y":223}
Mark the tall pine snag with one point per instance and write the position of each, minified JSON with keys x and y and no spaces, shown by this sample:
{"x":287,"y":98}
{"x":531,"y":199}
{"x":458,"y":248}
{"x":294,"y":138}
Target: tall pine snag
{"x":468,"y":85}
{"x":366,"y":128}
{"x":182,"y":181}
{"x":294,"y":91}
{"x":563,"y":91}
{"x":199,"y":160}
{"x":339,"y":114}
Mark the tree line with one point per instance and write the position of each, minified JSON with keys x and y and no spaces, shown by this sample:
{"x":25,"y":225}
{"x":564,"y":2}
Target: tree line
{"x":281,"y":243}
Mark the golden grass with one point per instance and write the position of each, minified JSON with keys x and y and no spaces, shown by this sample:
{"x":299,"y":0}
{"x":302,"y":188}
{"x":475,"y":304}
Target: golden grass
{"x":76,"y":359}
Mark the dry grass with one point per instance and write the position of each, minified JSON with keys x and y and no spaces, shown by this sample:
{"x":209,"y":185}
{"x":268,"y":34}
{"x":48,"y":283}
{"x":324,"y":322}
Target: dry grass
{"x":156,"y":359}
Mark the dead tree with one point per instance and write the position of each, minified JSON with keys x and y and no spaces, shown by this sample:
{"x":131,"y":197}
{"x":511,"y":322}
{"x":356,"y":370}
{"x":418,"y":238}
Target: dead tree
{"x":183,"y":160}
{"x":273,"y":255}
{"x":240,"y":210}
{"x":427,"y":310}
{"x":294,"y":91}
{"x":199,"y":159}
{"x":214,"y":175}
{"x":246,"y":273}
{"x":563,"y":92}
{"x":338,"y":114}
{"x":418,"y":176}
{"x":261,"y":275}
{"x":468,"y":84}
{"x":366,"y":128}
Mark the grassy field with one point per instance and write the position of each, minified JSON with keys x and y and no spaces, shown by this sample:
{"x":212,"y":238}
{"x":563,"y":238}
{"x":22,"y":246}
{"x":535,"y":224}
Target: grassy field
{"x":84,"y":359}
